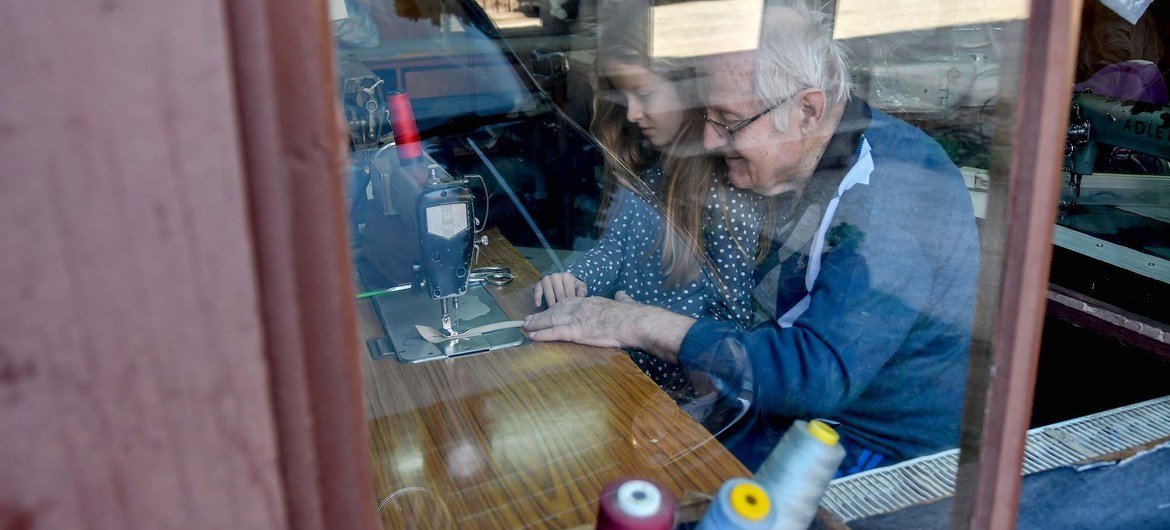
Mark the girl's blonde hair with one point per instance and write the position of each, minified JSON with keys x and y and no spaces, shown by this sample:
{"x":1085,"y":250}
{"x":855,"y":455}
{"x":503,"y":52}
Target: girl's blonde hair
{"x":687,"y":171}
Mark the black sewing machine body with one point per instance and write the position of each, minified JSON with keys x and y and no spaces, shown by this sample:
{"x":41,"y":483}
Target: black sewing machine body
{"x":446,"y":220}
{"x":1133,"y":125}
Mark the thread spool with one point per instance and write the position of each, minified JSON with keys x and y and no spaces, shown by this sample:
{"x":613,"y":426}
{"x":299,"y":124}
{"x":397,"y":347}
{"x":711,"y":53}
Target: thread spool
{"x":741,"y":504}
{"x":635,"y":504}
{"x":406,"y":136}
{"x":798,"y":471}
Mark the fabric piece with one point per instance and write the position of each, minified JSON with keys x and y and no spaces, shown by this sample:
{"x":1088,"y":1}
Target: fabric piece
{"x":1130,"y":10}
{"x":1132,"y":494}
{"x":857,"y":459}
{"x":1129,"y":80}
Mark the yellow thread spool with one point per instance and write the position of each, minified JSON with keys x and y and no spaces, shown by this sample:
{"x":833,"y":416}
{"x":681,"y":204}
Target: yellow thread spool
{"x":750,"y":501}
{"x":821,"y":431}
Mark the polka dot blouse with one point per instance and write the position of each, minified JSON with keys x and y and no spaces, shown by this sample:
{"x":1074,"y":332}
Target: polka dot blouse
{"x":626,"y":259}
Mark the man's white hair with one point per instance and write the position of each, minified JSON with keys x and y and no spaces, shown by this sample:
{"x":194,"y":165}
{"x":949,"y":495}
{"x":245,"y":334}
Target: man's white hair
{"x":797,"y":51}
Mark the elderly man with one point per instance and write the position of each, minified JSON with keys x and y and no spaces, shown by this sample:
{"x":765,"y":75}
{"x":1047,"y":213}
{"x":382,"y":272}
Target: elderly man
{"x":869,"y":285}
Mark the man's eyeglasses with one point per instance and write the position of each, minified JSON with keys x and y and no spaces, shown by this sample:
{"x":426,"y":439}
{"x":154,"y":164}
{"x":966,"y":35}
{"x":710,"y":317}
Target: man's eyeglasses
{"x":734,"y":128}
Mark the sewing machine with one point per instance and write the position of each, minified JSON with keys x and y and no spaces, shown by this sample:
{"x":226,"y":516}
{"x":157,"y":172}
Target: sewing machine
{"x":446,"y":218}
{"x":1119,"y":220}
{"x":1096,"y":120}
{"x":448,"y":245}
{"x":363,"y":101}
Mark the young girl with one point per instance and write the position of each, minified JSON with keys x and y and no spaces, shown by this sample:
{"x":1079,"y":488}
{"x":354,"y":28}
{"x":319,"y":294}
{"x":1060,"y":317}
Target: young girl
{"x":653,"y":128}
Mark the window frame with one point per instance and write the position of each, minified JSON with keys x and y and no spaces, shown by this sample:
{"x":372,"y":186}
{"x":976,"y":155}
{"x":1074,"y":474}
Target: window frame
{"x":1017,"y":251}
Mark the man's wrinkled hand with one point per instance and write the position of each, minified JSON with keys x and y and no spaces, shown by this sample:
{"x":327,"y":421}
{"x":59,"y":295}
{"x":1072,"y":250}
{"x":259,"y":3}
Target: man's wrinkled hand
{"x":617,"y":323}
{"x":594,"y":321}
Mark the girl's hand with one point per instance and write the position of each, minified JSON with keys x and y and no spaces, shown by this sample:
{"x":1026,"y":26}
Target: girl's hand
{"x":558,"y":287}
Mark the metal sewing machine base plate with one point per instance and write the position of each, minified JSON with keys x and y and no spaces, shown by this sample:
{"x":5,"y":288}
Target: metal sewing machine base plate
{"x":401,"y":311}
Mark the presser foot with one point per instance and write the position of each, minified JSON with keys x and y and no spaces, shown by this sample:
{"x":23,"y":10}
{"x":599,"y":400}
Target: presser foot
{"x":450,"y":325}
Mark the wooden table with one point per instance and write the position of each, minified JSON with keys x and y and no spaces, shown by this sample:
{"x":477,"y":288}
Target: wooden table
{"x":524,"y":437}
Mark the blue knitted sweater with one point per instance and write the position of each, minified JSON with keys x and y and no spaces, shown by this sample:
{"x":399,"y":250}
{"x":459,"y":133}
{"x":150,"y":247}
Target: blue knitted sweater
{"x":881,"y":344}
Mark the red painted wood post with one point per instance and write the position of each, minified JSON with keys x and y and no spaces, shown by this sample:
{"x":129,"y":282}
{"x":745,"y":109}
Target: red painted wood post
{"x":134,"y":385}
{"x":295,"y":154}
{"x":1017,"y":253}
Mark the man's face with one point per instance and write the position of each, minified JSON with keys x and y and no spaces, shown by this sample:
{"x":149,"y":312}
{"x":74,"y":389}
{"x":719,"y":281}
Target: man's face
{"x":759,"y":157}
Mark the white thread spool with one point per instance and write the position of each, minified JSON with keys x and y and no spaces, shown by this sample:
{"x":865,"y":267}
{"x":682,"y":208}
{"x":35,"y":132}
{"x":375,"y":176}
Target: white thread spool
{"x":798,"y":471}
{"x":639,"y":498}
{"x":634,"y":504}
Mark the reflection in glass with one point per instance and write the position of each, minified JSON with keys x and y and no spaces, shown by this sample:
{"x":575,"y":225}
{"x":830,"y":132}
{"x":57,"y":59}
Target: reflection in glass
{"x":818,"y":263}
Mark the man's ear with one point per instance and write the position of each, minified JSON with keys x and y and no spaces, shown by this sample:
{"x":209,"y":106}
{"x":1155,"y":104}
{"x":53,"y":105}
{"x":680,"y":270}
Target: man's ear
{"x":812,"y":105}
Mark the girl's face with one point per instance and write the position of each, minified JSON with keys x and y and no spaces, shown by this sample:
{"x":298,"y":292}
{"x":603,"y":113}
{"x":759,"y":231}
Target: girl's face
{"x":652,"y":102}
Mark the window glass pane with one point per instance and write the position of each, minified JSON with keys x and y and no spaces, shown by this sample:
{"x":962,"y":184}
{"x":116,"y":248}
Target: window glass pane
{"x":1105,"y":327}
{"x":727,"y":219}
{"x":1116,"y":195}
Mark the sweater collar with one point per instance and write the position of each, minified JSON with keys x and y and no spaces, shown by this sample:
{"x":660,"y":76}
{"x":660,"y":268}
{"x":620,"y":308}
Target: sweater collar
{"x":840,"y":153}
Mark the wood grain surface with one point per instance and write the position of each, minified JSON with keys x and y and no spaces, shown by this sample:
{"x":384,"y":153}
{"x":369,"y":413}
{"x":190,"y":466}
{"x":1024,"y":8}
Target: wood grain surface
{"x":524,"y":437}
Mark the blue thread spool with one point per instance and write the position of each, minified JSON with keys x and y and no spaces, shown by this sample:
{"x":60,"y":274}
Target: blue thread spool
{"x":741,"y":504}
{"x":798,"y":471}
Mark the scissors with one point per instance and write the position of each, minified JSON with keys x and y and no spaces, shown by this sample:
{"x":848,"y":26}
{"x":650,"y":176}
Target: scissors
{"x":484,"y":275}
{"x":491,"y":275}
